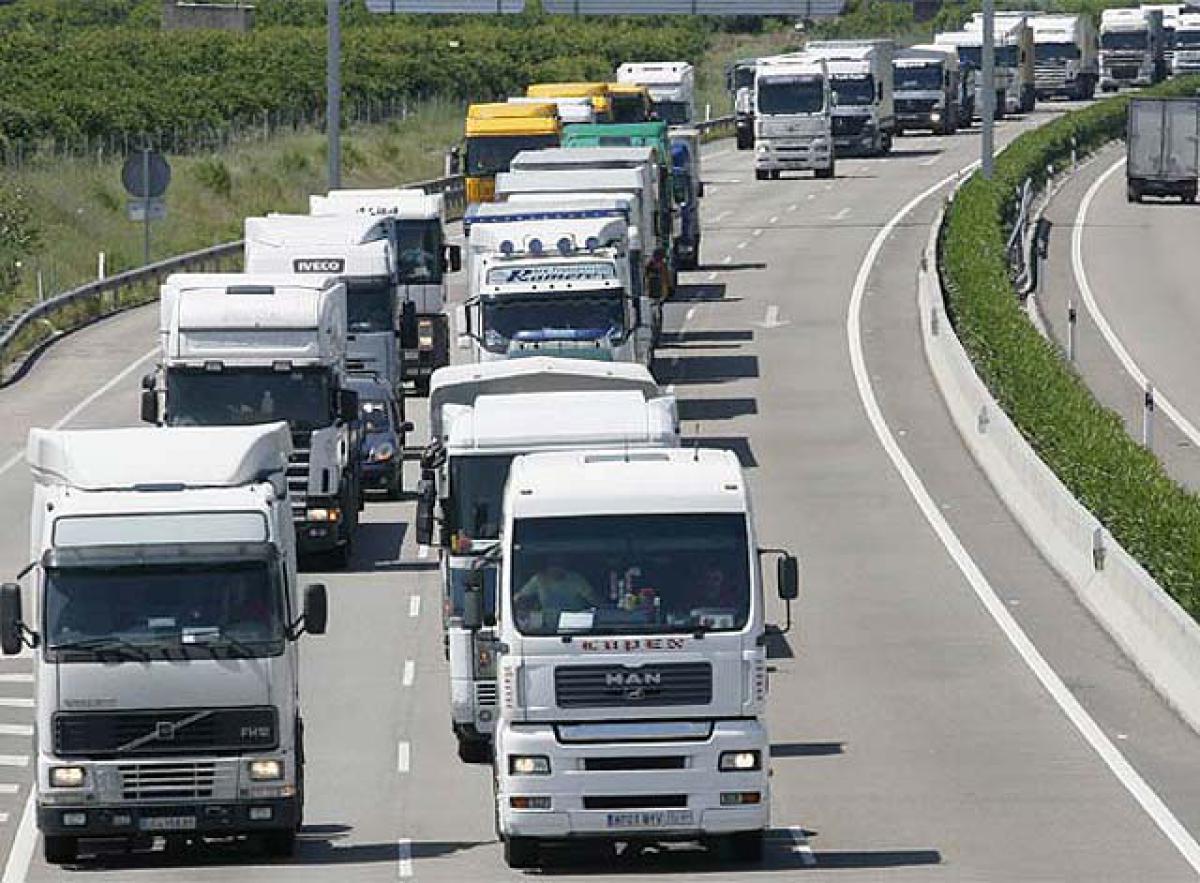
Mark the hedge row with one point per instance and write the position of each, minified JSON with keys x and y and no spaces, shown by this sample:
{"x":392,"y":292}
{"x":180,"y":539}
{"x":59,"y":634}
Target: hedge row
{"x":1086,"y":445}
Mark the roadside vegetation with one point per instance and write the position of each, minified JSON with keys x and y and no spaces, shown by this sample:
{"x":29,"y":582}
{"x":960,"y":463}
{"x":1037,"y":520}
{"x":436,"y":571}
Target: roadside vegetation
{"x":1086,"y":445}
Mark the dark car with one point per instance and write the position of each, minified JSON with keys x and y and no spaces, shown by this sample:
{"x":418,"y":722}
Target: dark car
{"x":383,"y":433}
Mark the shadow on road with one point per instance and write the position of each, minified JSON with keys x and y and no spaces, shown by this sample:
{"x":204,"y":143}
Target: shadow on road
{"x":705,"y":369}
{"x":683,"y":338}
{"x":716,"y":409}
{"x":781,"y":750}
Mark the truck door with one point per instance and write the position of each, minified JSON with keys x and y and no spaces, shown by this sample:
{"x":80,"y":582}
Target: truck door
{"x":1179,"y":141}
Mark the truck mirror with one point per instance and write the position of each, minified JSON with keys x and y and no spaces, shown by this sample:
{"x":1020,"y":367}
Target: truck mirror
{"x":409,"y":338}
{"x":348,"y":405}
{"x":462,"y":323}
{"x":454,"y":256}
{"x":149,"y":406}
{"x":788,"y":578}
{"x":149,"y":381}
{"x":426,"y":501}
{"x":316,"y":609}
{"x":10,"y":619}
{"x":473,"y":601}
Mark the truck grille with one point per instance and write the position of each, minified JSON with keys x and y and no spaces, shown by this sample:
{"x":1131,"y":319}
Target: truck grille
{"x":1124,"y":71}
{"x":607,"y":686}
{"x":169,"y":781}
{"x":485,"y":693}
{"x":915,"y":105}
{"x":164,"y":732}
{"x":636,"y":762}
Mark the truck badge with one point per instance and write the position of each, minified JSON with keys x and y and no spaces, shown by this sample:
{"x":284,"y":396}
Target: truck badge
{"x":319,"y":265}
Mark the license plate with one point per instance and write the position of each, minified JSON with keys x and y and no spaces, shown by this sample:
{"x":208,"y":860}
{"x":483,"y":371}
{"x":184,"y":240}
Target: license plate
{"x":663,"y":818}
{"x":168,"y":823}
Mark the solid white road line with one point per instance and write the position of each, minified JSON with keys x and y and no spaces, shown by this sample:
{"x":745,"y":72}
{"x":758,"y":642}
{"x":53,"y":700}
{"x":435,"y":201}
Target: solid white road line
{"x":15,"y":730}
{"x":9,"y":788}
{"x":16,"y":702}
{"x":403,"y":757}
{"x":410,"y":673}
{"x":83,"y":405}
{"x":414,"y":606}
{"x":1106,"y":331}
{"x":1129,"y":778}
{"x":404,"y":869}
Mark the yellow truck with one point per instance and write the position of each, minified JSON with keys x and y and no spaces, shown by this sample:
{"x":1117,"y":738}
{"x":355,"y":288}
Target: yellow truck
{"x":598,"y":92}
{"x":630,"y":103}
{"x":498,"y":132}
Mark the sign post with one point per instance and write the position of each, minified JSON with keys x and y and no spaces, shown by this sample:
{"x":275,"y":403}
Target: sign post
{"x":146,"y":176}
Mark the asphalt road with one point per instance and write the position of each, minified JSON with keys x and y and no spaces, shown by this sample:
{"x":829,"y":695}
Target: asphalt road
{"x":911,"y":741}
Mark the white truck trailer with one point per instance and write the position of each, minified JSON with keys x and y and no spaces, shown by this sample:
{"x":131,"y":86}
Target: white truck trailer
{"x":793,"y":117}
{"x":1131,"y":48}
{"x":633,"y":686}
{"x":1187,"y":44}
{"x":165,"y":613}
{"x":927,"y":90}
{"x":1162,"y":138}
{"x":1014,"y":41}
{"x":482,"y":416}
{"x":1066,"y":56}
{"x":672,"y":87}
{"x":416,"y":225}
{"x":861,"y":77}
{"x":238,"y":350}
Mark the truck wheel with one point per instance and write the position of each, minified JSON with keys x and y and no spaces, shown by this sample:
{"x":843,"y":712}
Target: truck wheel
{"x":395,"y":485}
{"x":746,"y":847}
{"x":885,"y":145}
{"x":521,"y":852}
{"x":776,"y":174}
{"x":60,"y":850}
{"x":761,"y":174}
{"x":280,"y":844}
{"x":826,"y":172}
{"x":473,"y":750}
{"x":1133,"y":193}
{"x":744,"y":141}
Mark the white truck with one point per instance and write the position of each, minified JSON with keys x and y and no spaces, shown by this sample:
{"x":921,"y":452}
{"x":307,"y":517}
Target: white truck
{"x":482,"y":416}
{"x":969,"y":45}
{"x":927,"y":90}
{"x":1014,"y":41}
{"x":1066,"y":56}
{"x":1170,"y":16}
{"x":793,"y":117}
{"x":416,"y":226}
{"x":633,"y":682}
{"x":570,"y":110}
{"x":672,"y":87}
{"x":1187,"y":44}
{"x":861,"y":77}
{"x":238,"y":350}
{"x":1162,"y":137}
{"x":1131,"y":48}
{"x":164,"y":615}
{"x":740,"y":82}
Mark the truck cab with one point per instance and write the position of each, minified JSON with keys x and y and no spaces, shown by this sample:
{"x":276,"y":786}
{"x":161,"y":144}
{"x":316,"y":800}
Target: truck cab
{"x":672,"y":86}
{"x":497,"y":132}
{"x":969,"y":46}
{"x":482,"y":416}
{"x":596,"y":93}
{"x":927,"y":90}
{"x":739,"y":80}
{"x":793,"y":119}
{"x":860,"y":73}
{"x":165,"y":612}
{"x":633,"y":678}
{"x":1131,"y":48}
{"x":1067,"y":56}
{"x":630,"y":103}
{"x":1187,"y":44}
{"x":241,"y":350}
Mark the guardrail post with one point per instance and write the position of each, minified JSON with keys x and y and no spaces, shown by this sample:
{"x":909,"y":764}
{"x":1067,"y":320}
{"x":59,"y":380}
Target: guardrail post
{"x":1072,"y":321}
{"x":1148,"y":417}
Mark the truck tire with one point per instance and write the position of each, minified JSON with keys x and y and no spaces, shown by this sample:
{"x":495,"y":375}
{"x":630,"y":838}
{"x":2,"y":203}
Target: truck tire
{"x":826,"y":172}
{"x":745,"y":141}
{"x":761,"y":174}
{"x":279,"y":844}
{"x":746,"y":847}
{"x":1133,"y":193}
{"x":472,"y":750}
{"x":521,"y":852}
{"x":60,"y":850}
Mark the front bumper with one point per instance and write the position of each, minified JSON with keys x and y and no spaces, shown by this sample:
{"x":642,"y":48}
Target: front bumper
{"x":792,"y":155}
{"x":211,"y":818}
{"x":621,"y":803}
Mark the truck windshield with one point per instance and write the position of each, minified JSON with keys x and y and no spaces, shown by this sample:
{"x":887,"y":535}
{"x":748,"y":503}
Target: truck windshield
{"x":476,"y":494}
{"x":673,"y":113}
{"x":629,"y":108}
{"x":919,"y":78}
{"x":370,"y":304}
{"x":972,"y":56}
{"x":743,"y":76}
{"x":576,"y":315}
{"x":232,"y":610}
{"x":1187,"y":39}
{"x":790,"y":95}
{"x":419,"y":251}
{"x":1128,"y":40}
{"x":244,"y":396}
{"x":492,"y":154}
{"x":1056,"y":52}
{"x":850,"y":91}
{"x":623,"y":574}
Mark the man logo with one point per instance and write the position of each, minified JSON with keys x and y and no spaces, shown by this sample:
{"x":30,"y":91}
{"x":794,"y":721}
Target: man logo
{"x":633,"y":684}
{"x":319,"y":265}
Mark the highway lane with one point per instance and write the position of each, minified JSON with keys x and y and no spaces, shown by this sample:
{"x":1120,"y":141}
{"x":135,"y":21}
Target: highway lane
{"x":910,"y":742}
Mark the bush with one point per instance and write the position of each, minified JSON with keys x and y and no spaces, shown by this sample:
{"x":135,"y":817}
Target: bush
{"x":1086,"y":445}
{"x":213,"y":175}
{"x":19,"y":235}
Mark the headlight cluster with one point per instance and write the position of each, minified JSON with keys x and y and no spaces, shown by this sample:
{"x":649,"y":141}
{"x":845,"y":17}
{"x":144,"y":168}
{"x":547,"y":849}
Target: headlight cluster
{"x":528,"y":765}
{"x":330,"y":514}
{"x":67,"y":776}
{"x":739,"y":761}
{"x":265,"y":770}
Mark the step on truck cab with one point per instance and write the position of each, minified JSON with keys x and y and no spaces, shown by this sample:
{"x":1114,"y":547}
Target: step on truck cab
{"x":482,"y":416}
{"x":1131,"y":48}
{"x":927,"y":90}
{"x":864,"y":112}
{"x":241,"y":350}
{"x":497,"y":132}
{"x":555,"y":286}
{"x":415,"y":223}
{"x":739,"y":80}
{"x":1067,"y":56}
{"x":672,"y":86}
{"x":633,"y":678}
{"x":164,"y":613}
{"x":793,"y":119}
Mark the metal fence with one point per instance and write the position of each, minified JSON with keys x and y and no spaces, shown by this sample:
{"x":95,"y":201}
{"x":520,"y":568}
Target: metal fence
{"x":104,"y":297}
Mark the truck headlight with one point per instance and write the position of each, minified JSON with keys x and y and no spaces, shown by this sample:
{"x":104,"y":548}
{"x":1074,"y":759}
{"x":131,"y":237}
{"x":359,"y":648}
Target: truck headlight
{"x":739,"y":761}
{"x":265,"y":770}
{"x":528,"y":765}
{"x":935,"y":116}
{"x":382,"y":454}
{"x":330,"y":514}
{"x":67,"y":776}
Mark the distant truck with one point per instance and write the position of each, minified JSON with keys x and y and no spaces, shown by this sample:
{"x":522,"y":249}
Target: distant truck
{"x":793,"y":117}
{"x":630,"y":103}
{"x":596,"y":93}
{"x":495,"y":133}
{"x":239,"y":350}
{"x":1066,"y":56}
{"x":482,"y":416}
{"x":969,"y":45}
{"x":927,"y":90}
{"x":1187,"y":44}
{"x":672,"y":86}
{"x":740,"y":83}
{"x":861,"y":77}
{"x":1163,"y":134}
{"x":165,"y":611}
{"x":1170,"y":14}
{"x":1132,"y":47}
{"x":1014,"y":40}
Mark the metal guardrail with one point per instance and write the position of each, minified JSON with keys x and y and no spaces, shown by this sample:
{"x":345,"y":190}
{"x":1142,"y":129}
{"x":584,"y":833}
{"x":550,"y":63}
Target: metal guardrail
{"x":104,"y":297}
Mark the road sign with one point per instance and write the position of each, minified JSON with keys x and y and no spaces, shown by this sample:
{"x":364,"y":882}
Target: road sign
{"x":152,"y":209}
{"x":146,"y":173}
{"x":446,"y":6}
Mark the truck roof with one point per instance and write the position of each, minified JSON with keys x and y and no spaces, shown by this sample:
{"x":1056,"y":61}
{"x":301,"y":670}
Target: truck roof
{"x":654,"y":72}
{"x":284,"y":231}
{"x":510,"y":110}
{"x":150,"y":457}
{"x":570,"y":181}
{"x":588,"y":157}
{"x":669,"y":480}
{"x":846,"y":67}
{"x":520,"y":212}
{"x":1123,"y":16}
{"x":566,"y":90}
{"x":218,"y":284}
{"x":570,"y":110}
{"x":348,"y":245}
{"x":500,"y":126}
{"x":608,"y":231}
{"x":408,"y":204}
{"x":926,"y":55}
{"x":463,"y":384}
{"x":796,"y":64}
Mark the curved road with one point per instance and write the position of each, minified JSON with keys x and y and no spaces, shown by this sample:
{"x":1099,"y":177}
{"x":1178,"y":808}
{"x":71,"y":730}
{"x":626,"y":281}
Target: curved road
{"x":911,"y":741}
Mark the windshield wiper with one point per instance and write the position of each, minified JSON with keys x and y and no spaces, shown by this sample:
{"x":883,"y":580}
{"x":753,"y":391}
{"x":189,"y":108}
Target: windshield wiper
{"x":104,"y":644}
{"x":214,"y":639}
